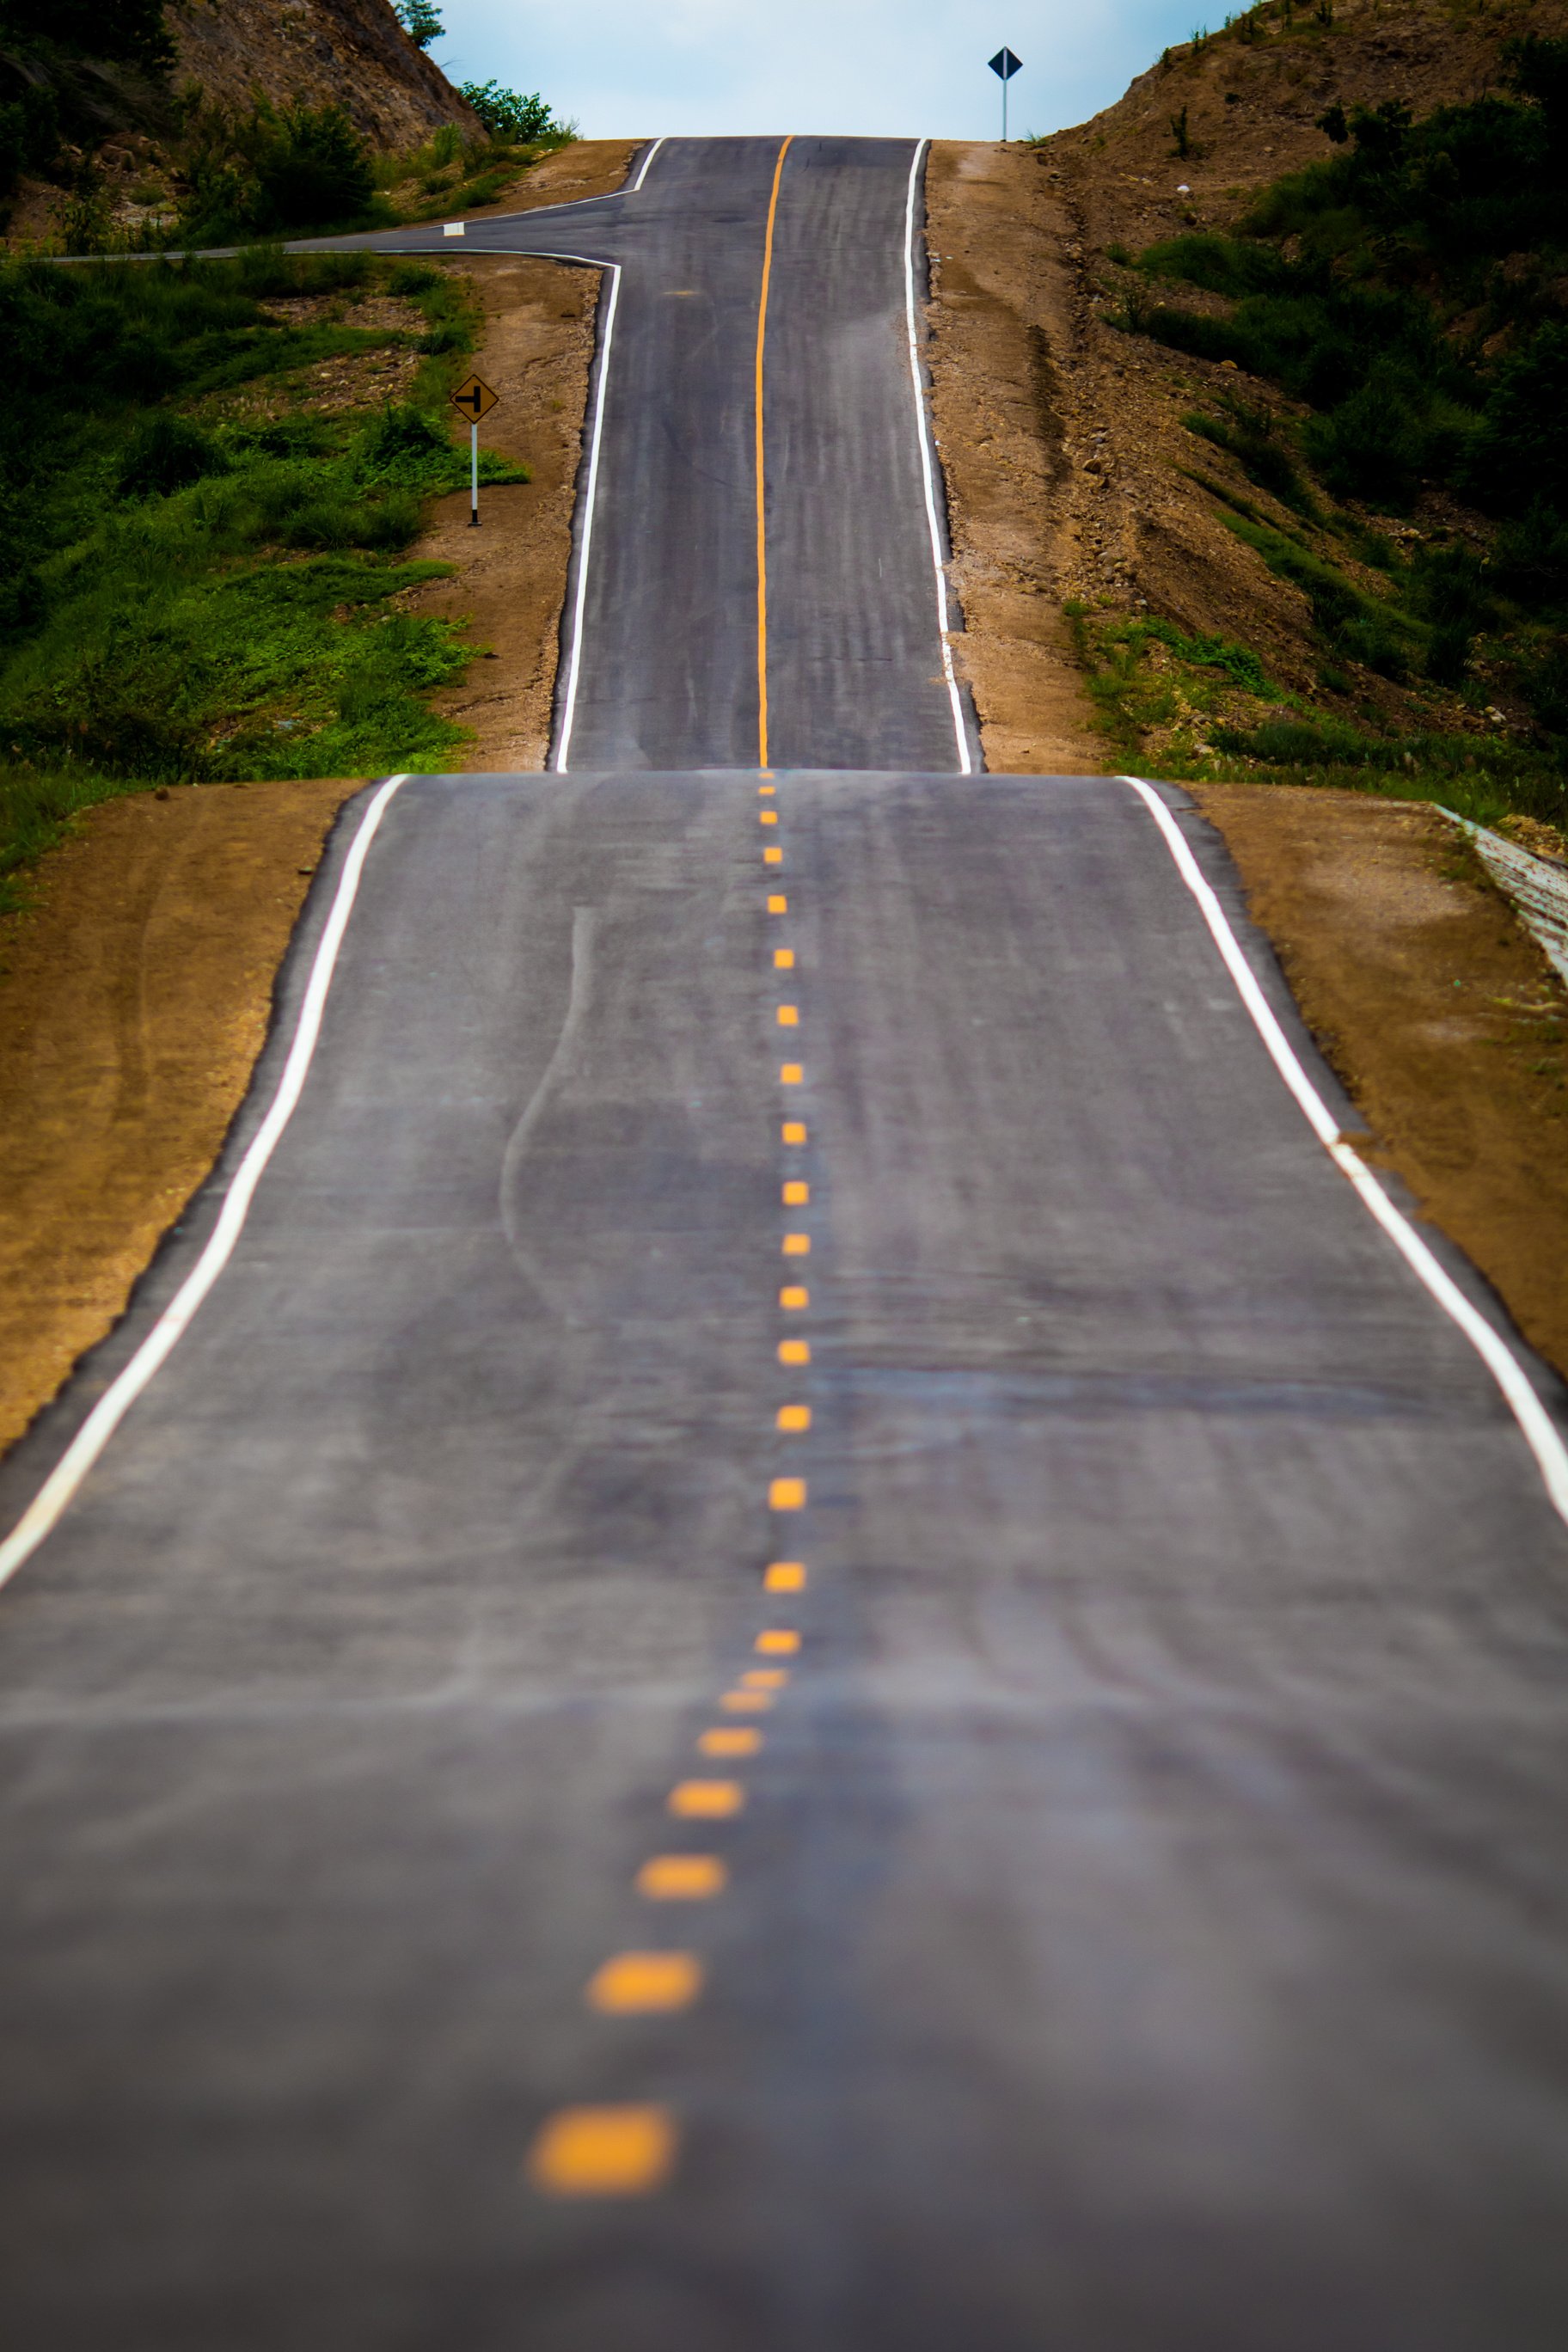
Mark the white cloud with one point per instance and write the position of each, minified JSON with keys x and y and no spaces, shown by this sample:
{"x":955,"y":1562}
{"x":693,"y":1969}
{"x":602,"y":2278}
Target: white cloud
{"x":629,"y":67}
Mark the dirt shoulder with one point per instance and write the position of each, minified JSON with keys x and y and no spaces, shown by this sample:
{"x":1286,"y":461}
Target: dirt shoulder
{"x":510,"y":575}
{"x":133,"y":1002}
{"x":135,"y":994}
{"x":1437,"y":1010}
{"x":1005,"y":340}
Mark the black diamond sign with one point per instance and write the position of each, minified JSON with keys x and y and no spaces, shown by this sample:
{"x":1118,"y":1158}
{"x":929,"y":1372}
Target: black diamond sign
{"x":1006,"y":64}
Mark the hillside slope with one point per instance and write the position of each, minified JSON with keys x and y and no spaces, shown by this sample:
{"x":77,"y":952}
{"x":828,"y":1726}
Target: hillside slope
{"x":1139,"y":532}
{"x":351,"y":53}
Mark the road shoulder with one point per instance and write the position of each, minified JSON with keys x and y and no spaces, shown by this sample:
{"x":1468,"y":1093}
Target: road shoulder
{"x":1437,"y":1011}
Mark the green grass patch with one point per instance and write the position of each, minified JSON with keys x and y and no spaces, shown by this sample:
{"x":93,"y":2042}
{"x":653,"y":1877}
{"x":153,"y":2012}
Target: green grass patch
{"x":186,"y":596}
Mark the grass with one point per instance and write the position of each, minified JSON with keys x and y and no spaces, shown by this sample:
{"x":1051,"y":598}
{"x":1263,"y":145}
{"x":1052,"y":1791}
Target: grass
{"x":1192,"y":709}
{"x":1408,"y":294}
{"x":200,"y":577}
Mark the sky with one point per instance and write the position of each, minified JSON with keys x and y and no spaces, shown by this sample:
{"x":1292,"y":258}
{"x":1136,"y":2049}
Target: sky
{"x":626,"y":69}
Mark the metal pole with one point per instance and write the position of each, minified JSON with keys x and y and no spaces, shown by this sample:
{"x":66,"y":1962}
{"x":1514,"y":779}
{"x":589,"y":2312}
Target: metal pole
{"x":1003,"y":110}
{"x":474,"y":490}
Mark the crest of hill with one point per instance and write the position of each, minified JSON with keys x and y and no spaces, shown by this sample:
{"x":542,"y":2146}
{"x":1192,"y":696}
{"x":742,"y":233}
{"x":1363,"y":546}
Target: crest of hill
{"x":1252,"y":103}
{"x":349,"y":53}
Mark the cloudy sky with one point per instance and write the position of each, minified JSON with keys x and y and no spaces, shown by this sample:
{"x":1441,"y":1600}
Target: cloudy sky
{"x":625,"y":68}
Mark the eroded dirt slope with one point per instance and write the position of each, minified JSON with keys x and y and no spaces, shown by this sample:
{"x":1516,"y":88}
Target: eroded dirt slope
{"x":349,"y":53}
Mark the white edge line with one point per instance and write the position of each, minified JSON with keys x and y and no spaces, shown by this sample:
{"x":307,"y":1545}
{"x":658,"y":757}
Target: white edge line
{"x":1539,"y":1430}
{"x":590,"y":491}
{"x":922,"y":435}
{"x":43,"y":1514}
{"x":646,"y":160}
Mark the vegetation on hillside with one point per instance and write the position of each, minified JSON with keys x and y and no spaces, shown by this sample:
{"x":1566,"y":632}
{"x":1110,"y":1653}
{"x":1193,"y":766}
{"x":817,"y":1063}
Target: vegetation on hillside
{"x":201,"y":570}
{"x":75,"y":73}
{"x":1409,"y":295}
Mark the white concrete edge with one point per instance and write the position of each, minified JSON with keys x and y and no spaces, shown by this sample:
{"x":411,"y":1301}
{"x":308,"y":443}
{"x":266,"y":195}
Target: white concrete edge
{"x":1536,"y":890}
{"x":43,"y":1514}
{"x":1536,"y":1426}
{"x":923,"y":441}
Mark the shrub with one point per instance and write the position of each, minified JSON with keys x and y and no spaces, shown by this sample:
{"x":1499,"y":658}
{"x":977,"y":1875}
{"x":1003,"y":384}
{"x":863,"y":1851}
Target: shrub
{"x":274,"y":173}
{"x":165,"y":453}
{"x":506,"y":115}
{"x":1520,"y":456}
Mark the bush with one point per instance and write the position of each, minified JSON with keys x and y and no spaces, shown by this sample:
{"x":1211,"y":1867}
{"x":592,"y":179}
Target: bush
{"x":505,"y":115}
{"x":274,"y":173}
{"x":1519,"y":455}
{"x":133,"y":30}
{"x":165,"y":453}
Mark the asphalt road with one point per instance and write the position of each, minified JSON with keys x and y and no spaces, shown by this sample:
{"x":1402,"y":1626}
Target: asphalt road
{"x":1141,"y":1922}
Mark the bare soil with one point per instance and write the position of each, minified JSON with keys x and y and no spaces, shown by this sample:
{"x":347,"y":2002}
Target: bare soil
{"x":510,"y":573}
{"x":1005,"y":338}
{"x":1437,"y":1010}
{"x":133,"y":1002}
{"x":135,"y":995}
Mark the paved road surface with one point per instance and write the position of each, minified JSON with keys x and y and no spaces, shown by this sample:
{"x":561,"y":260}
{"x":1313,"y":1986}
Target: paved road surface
{"x":1142,"y":1921}
{"x":668,"y":673}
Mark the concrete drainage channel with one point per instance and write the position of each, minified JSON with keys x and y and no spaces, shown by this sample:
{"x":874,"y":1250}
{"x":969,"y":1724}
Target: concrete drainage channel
{"x":1537,"y":887}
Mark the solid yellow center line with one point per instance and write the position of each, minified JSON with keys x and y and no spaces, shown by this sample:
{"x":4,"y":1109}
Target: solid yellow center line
{"x":762,"y":478}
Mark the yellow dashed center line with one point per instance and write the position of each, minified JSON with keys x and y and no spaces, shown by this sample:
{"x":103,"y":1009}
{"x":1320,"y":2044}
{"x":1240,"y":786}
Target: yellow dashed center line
{"x":793,"y":1298}
{"x":711,"y":1800}
{"x":792,"y":1131}
{"x":795,"y":1193}
{"x":784,"y":958}
{"x":635,"y":1982}
{"x":730,"y":1740}
{"x":778,"y":904}
{"x":786,"y":1495}
{"x":765,"y":1678}
{"x":797,"y":1244}
{"x":682,"y":1877}
{"x":603,"y":2151}
{"x":795,"y":1351}
{"x":792,"y":1074}
{"x":746,"y":1702}
{"x":794,"y":1416}
{"x":777,"y":1643}
{"x":773,"y":855}
{"x":784,"y":1576}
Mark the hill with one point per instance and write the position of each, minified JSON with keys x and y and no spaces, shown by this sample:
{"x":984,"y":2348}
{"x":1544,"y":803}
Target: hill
{"x":349,"y":53}
{"x":1278,"y":294}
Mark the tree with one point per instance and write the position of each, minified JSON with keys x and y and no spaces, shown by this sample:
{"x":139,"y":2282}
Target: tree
{"x":506,"y":115}
{"x":421,"y":21}
{"x":130,"y":29}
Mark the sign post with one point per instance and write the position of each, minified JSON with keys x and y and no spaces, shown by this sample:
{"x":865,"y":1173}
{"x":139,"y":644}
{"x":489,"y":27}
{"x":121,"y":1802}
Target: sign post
{"x":476,"y":399}
{"x":1005,"y":65}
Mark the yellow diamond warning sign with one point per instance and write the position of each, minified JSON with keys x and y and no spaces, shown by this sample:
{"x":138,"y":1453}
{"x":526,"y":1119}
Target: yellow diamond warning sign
{"x":475,"y":398}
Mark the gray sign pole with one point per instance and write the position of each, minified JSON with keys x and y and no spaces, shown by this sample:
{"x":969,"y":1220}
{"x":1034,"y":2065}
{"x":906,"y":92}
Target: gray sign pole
{"x":1004,"y":64}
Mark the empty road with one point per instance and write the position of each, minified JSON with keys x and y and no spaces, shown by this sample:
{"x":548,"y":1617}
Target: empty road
{"x":796,"y":1634}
